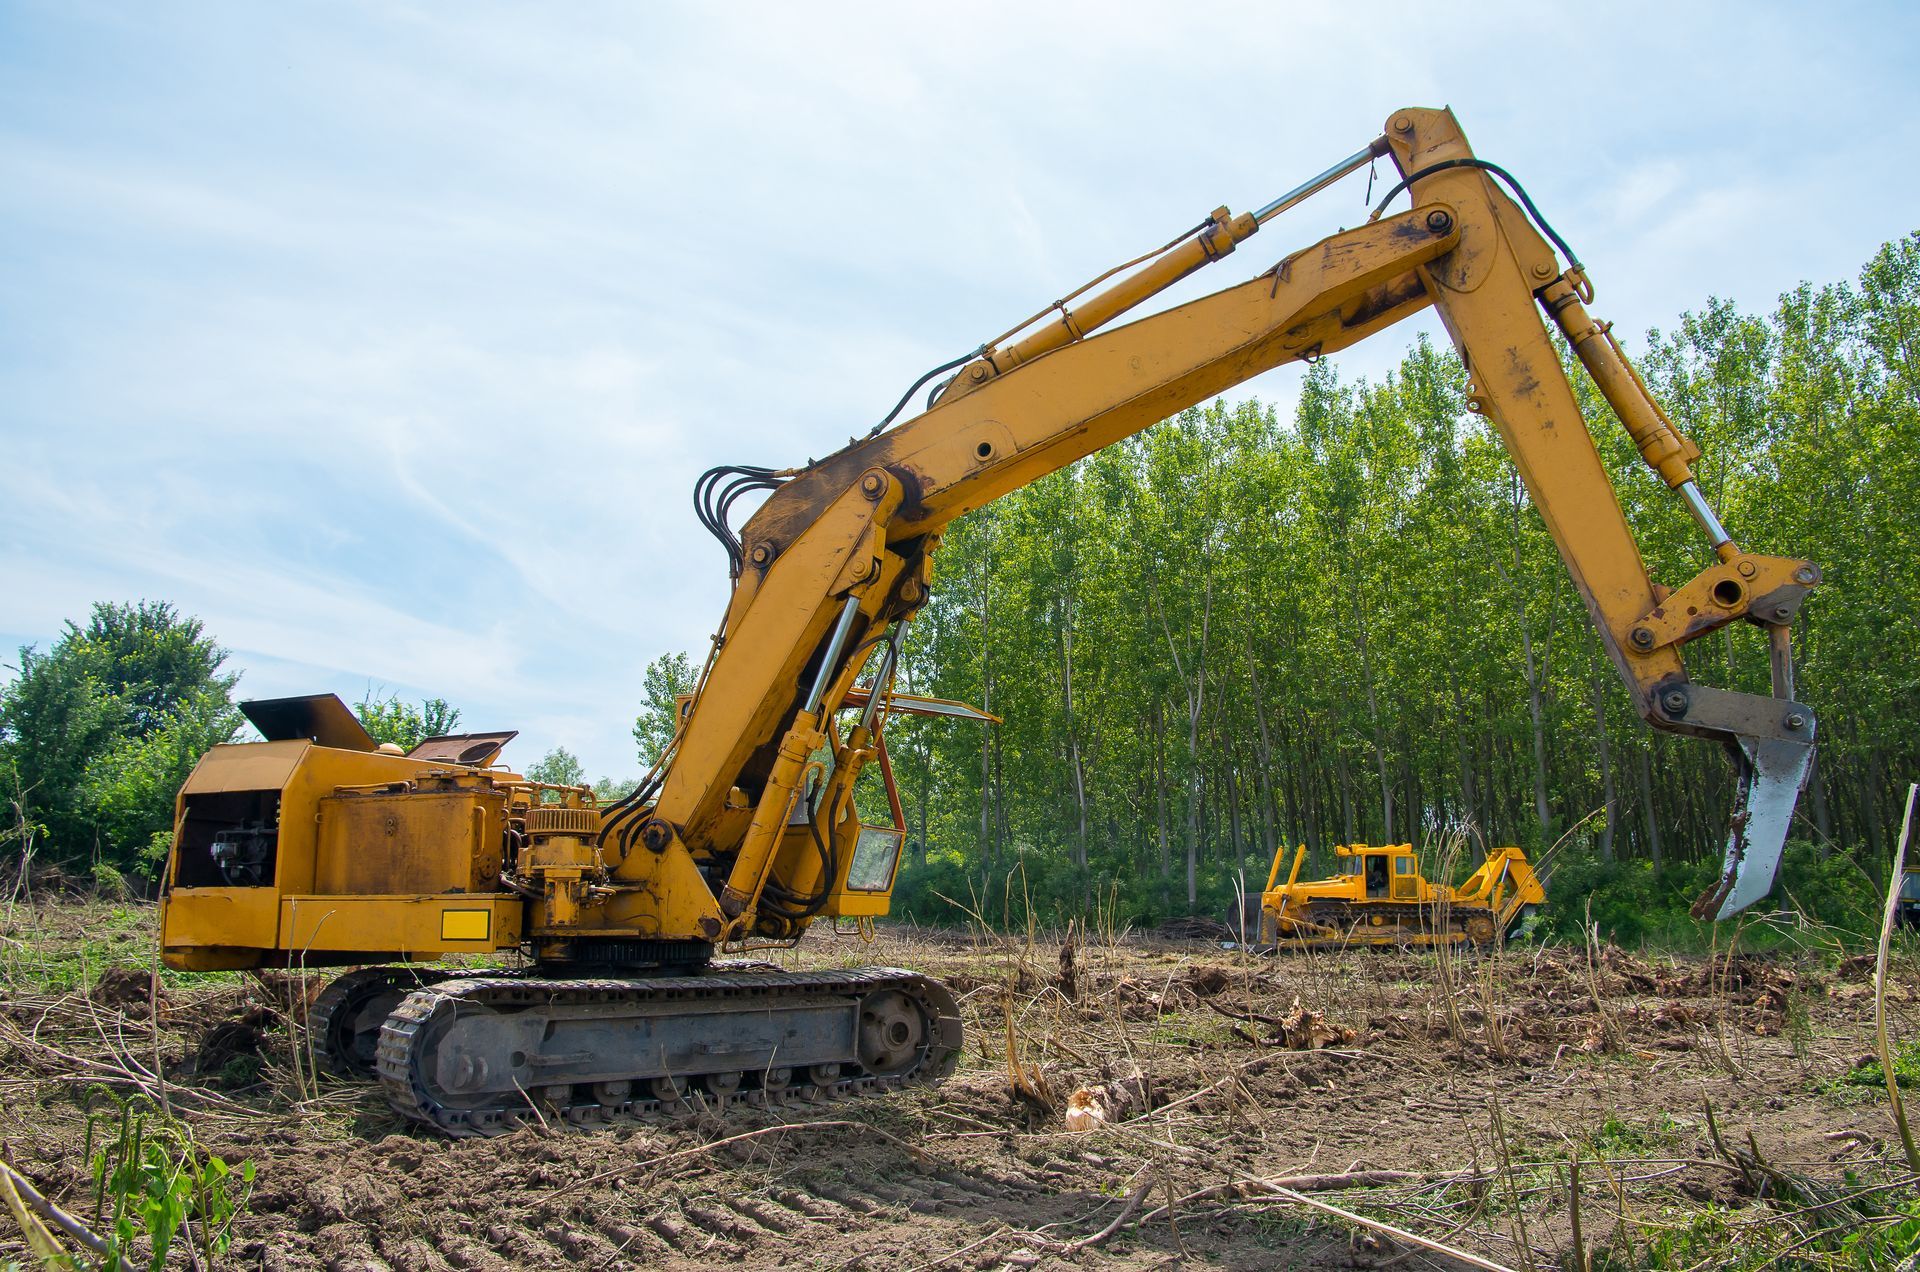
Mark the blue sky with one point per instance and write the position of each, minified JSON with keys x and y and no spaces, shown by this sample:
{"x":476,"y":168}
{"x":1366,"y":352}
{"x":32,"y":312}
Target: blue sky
{"x":389,"y":339}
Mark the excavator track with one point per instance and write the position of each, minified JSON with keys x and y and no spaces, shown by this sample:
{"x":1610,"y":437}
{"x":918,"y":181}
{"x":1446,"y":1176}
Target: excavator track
{"x":345,"y":1017}
{"x":484,"y":1055}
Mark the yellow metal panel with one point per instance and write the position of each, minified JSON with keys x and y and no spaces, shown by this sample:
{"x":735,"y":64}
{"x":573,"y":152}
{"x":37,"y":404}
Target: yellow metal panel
{"x":466,"y":925}
{"x":321,"y":770}
{"x":423,"y":841}
{"x":673,"y":900}
{"x":220,"y":916}
{"x":210,"y":958}
{"x":412,"y":926}
{"x":246,"y":766}
{"x":855,"y":905}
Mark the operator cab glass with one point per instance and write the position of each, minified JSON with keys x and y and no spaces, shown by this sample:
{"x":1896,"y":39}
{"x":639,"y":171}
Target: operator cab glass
{"x":876,"y":852}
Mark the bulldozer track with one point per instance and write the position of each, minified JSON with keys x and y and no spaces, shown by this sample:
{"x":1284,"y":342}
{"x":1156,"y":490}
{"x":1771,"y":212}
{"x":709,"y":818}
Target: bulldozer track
{"x":410,"y":1069}
{"x":1424,"y":917}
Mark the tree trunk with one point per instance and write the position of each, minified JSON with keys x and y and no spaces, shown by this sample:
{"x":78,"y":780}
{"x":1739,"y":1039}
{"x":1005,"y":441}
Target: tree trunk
{"x":1075,"y":765}
{"x":1463,"y":752}
{"x":1535,"y":711}
{"x":1346,"y":794}
{"x":1597,"y":688}
{"x":1160,"y":803}
{"x":1196,"y":687}
{"x":1268,"y":810}
{"x":1373,"y":717}
{"x":1646,"y":803}
{"x":1233,"y":819}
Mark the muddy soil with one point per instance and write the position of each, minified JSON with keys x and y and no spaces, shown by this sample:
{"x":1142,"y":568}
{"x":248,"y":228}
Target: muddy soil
{"x":1501,"y":1067}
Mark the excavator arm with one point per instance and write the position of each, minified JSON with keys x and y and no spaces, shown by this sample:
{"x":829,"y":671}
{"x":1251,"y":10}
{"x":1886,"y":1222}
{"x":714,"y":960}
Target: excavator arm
{"x":839,"y":556}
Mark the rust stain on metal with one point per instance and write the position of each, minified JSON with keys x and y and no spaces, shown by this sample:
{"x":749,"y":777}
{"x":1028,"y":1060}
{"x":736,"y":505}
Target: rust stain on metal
{"x":1526,"y":383}
{"x":1382,"y":299}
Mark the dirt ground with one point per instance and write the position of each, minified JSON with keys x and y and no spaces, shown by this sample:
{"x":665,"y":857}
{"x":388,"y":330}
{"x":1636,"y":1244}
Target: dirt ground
{"x":1478,"y":1079}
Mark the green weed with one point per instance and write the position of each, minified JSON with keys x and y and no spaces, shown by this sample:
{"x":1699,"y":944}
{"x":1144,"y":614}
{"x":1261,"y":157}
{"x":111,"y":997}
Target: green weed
{"x":1180,"y":1031}
{"x":1618,"y":1138}
{"x":1867,"y":1081}
{"x":1888,"y":1244}
{"x":152,"y":1182}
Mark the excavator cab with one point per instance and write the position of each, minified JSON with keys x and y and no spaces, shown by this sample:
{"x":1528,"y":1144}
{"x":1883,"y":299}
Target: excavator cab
{"x":848,"y":818}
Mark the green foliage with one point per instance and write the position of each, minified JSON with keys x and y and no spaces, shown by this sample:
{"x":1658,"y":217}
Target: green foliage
{"x":1871,"y":1079}
{"x":665,"y":677}
{"x":608,"y":789}
{"x":1616,"y":1137}
{"x":1632,"y":901}
{"x":388,"y":719}
{"x":152,"y":1182}
{"x":559,"y":766}
{"x":109,"y":884}
{"x":97,"y":733}
{"x":130,"y":786}
{"x":1888,"y":1245}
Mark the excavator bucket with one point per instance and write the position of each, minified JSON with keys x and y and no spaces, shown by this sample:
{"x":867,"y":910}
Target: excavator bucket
{"x":1771,"y":773}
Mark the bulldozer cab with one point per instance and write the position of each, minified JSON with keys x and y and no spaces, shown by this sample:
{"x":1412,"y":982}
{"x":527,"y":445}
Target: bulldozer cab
{"x":1386,"y":873}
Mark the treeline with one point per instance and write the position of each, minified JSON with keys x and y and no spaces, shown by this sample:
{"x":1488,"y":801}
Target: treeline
{"x":1236,"y":631}
{"x":99,"y":730}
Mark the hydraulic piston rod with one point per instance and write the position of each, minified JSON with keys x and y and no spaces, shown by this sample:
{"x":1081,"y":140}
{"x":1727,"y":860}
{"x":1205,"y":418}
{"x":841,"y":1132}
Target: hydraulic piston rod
{"x":1307,"y":189}
{"x":1214,"y":239}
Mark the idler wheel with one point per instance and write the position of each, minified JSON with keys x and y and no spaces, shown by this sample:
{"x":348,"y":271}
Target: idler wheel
{"x":893,"y":1032}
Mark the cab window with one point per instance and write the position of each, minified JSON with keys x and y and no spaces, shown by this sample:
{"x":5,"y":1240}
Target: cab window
{"x":1403,"y":865}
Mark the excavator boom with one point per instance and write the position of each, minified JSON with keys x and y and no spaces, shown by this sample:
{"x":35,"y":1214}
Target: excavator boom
{"x":1020,"y":410}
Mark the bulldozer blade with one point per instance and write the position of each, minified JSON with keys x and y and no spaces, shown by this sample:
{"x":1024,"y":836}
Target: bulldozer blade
{"x":1771,"y":773}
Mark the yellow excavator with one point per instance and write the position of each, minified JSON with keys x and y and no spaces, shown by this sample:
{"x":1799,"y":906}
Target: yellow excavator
{"x":315,"y":847}
{"x":1379,"y":897}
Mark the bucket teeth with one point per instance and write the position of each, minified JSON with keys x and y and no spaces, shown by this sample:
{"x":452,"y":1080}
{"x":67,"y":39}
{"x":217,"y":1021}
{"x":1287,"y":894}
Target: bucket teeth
{"x":1771,"y":773}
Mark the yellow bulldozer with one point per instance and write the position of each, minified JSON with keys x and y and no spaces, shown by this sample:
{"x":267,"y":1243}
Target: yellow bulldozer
{"x":1379,"y":897}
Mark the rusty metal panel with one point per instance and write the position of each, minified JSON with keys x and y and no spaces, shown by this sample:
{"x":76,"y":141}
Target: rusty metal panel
{"x":315,"y":717}
{"x":409,"y":842}
{"x":246,"y":766}
{"x":246,"y":917}
{"x":472,"y":749}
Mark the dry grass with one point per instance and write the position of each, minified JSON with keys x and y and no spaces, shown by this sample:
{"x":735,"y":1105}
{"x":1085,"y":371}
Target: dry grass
{"x":1474,"y":1090}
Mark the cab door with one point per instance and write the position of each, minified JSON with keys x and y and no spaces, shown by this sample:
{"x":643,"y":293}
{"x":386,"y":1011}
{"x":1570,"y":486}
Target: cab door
{"x":1406,"y":877}
{"x":1376,"y":876}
